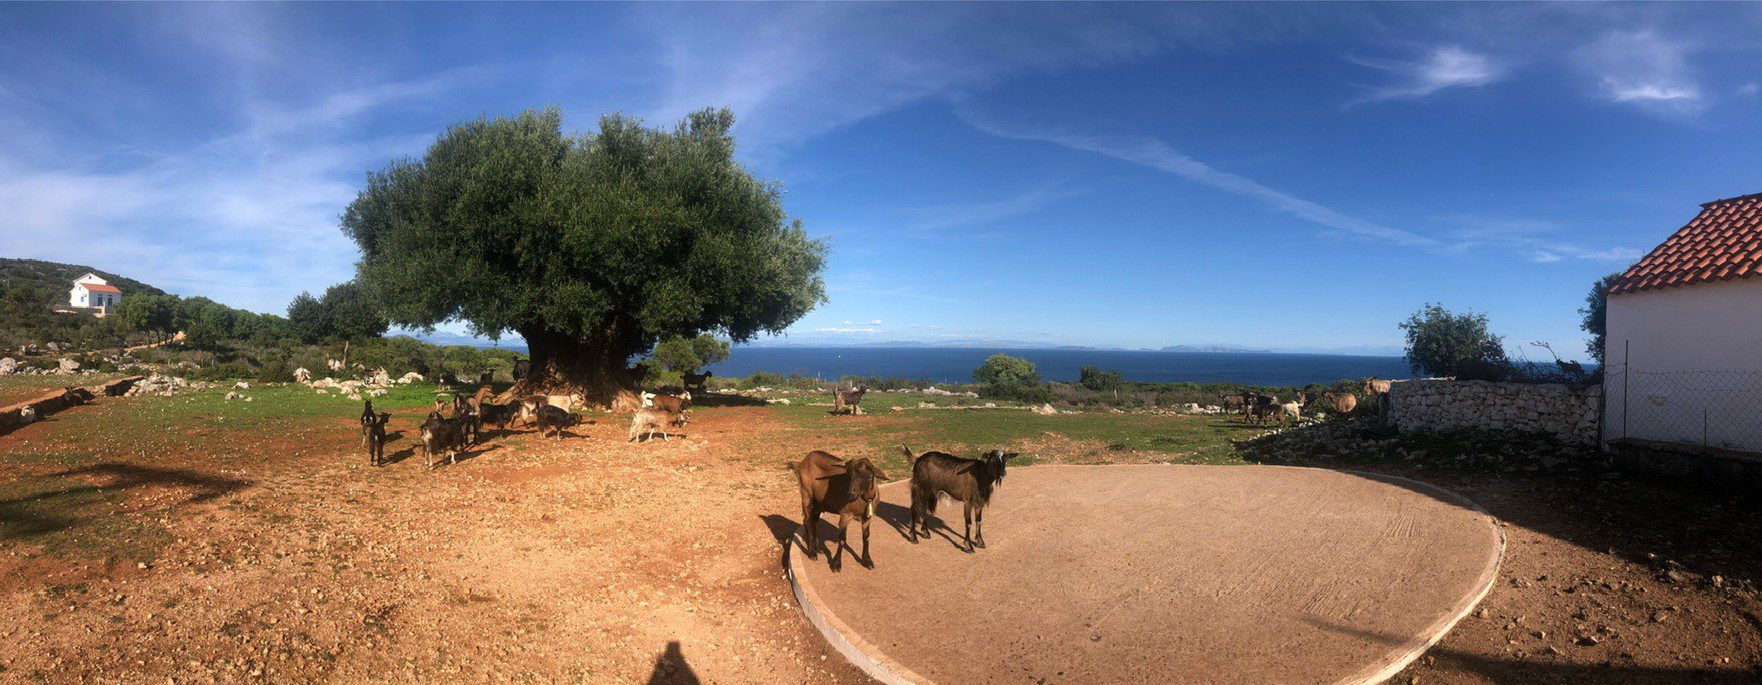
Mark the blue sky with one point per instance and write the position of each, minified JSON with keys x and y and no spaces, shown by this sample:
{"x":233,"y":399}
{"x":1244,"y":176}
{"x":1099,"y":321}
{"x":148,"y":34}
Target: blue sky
{"x":1288,"y":176}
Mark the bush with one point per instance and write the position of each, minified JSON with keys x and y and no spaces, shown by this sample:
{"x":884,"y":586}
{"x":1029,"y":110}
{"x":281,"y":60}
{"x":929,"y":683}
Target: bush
{"x":1444,"y":343}
{"x":275,"y":371}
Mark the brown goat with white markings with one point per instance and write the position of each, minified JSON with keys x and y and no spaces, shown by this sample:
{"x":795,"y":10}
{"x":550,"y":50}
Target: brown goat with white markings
{"x":971,"y":481}
{"x":651,"y":420}
{"x":833,"y":485}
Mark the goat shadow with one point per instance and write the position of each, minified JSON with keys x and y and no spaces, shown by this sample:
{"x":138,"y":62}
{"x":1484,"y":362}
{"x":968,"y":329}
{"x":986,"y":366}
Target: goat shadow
{"x":785,"y":531}
{"x":466,"y":455}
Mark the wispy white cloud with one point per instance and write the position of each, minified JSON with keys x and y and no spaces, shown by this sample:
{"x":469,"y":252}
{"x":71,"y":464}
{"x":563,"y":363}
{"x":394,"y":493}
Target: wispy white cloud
{"x":841,"y":329}
{"x":1441,"y":68}
{"x":871,"y":322}
{"x":1647,"y":69}
{"x":248,"y":218}
{"x":1155,"y":154}
{"x":1537,"y":240}
{"x":797,"y":71}
{"x":938,"y":217}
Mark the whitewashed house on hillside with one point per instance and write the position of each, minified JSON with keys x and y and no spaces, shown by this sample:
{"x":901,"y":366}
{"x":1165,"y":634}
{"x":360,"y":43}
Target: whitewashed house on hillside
{"x":93,"y":292}
{"x":1683,"y":356}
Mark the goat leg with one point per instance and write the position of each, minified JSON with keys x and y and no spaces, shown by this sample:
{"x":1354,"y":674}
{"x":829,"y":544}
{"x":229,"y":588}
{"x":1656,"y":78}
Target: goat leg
{"x":868,"y":561}
{"x":979,"y":526}
{"x":810,"y":522}
{"x":967,"y":513}
{"x":843,"y":540}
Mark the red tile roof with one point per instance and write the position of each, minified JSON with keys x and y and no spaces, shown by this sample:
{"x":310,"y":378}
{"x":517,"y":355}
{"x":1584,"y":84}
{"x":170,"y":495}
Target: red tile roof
{"x":100,"y":288}
{"x":1722,"y":243}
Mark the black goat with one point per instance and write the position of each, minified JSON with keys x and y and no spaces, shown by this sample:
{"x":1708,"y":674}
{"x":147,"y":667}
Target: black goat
{"x":373,"y":433}
{"x":442,"y":436}
{"x":833,"y":485}
{"x":971,"y":481}
{"x":555,"y":419}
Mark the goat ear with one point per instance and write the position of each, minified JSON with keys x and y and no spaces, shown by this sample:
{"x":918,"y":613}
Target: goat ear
{"x":907,"y":451}
{"x":1010,"y":455}
{"x":876,"y":471}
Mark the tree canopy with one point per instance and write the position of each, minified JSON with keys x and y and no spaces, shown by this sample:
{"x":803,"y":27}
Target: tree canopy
{"x":686,"y":355}
{"x":594,"y":247}
{"x":1596,"y":315}
{"x":1443,"y":343}
{"x":1099,"y":379}
{"x":1002,"y":369}
{"x":345,"y":314}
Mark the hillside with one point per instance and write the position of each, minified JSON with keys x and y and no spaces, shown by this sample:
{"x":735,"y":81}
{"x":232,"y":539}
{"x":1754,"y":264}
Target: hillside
{"x":52,"y":280}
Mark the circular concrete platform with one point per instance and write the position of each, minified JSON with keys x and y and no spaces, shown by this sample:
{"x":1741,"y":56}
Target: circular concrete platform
{"x":1160,"y":573}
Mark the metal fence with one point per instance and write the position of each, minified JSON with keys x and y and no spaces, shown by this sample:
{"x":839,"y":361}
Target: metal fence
{"x":1713,"y":408}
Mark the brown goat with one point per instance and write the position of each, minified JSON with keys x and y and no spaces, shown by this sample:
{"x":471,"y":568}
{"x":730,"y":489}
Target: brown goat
{"x":971,"y":481}
{"x":833,"y":485}
{"x":1343,"y":403}
{"x":652,"y":420}
{"x":672,"y":403}
{"x":849,"y":400}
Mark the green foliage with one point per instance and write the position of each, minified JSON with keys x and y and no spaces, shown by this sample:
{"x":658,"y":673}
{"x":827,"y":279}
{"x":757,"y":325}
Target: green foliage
{"x":680,"y":354}
{"x":1595,"y":315}
{"x":1002,"y":369}
{"x":594,"y":247}
{"x":148,"y":313}
{"x":1098,"y":379}
{"x":352,"y":314}
{"x":1443,"y":343}
{"x":308,"y":318}
{"x":345,"y":314}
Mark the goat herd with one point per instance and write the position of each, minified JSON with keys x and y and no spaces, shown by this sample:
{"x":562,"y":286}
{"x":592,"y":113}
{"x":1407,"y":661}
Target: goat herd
{"x":1256,"y":407}
{"x":850,"y":488}
{"x":458,"y":422}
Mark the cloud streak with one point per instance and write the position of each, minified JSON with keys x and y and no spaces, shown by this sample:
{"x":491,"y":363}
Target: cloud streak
{"x":1155,"y":154}
{"x":1441,"y":68}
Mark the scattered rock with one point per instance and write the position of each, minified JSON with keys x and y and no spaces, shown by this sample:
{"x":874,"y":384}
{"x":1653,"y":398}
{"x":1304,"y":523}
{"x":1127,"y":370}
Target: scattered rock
{"x":66,"y":366}
{"x":8,"y":366}
{"x":301,"y":375}
{"x":241,"y":385}
{"x":1044,"y":409}
{"x":411,"y":377}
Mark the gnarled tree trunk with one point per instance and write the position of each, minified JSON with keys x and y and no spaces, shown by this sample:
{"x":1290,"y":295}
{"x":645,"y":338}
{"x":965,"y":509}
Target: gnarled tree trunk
{"x":593,"y":368}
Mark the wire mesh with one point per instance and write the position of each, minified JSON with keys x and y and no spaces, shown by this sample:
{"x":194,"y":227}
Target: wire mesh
{"x":1709,"y":407}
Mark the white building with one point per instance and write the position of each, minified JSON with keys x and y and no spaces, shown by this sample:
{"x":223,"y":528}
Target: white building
{"x":1684,"y":348}
{"x":92,"y":292}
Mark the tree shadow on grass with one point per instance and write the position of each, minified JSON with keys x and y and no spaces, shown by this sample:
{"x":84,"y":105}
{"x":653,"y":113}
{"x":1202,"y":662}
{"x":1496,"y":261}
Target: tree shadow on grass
{"x":720,"y":400}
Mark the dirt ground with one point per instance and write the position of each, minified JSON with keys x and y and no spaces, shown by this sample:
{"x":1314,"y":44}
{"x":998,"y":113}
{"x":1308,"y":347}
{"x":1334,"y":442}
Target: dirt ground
{"x":202,"y":554}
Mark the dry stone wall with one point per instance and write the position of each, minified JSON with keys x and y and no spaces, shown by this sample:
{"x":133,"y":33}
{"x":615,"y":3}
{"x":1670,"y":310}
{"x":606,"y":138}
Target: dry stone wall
{"x":1567,"y":413}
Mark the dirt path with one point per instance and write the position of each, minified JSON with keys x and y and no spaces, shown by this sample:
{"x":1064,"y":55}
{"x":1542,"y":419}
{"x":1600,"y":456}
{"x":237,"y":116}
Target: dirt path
{"x":586,"y":560}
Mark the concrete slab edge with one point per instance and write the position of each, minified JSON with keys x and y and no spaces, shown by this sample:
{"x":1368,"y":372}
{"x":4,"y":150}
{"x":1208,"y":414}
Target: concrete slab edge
{"x":1383,"y":672}
{"x":877,"y":665}
{"x":855,"y":649}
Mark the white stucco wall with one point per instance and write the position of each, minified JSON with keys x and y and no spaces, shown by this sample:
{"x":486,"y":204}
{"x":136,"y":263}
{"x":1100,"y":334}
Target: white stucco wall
{"x":1689,"y":360}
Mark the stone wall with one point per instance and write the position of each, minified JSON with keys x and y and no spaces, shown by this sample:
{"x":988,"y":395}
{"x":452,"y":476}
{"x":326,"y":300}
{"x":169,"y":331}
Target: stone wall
{"x":1564,"y":412}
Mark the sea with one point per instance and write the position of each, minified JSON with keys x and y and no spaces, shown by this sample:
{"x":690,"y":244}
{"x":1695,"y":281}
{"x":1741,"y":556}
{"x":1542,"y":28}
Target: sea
{"x":955,"y":365}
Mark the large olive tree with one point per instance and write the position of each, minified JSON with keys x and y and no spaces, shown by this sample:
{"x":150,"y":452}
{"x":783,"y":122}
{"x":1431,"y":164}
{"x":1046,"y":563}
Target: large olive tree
{"x":592,"y":247}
